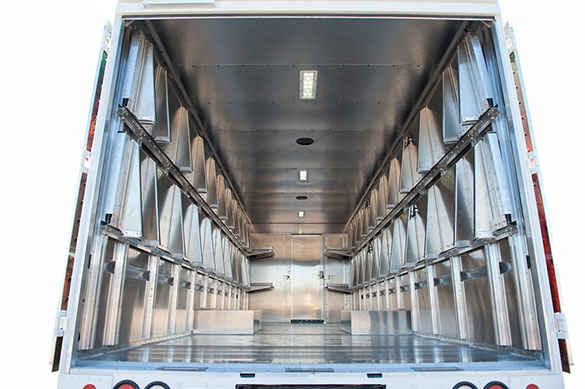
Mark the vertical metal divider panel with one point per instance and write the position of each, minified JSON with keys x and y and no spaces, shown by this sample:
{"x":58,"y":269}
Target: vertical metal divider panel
{"x":420,"y":293}
{"x":160,"y":322}
{"x":431,"y":146}
{"x":133,"y":297}
{"x":106,"y":268}
{"x":452,"y":128}
{"x":509,"y":275}
{"x":149,"y":197}
{"x":197,"y":177}
{"x":192,"y":231}
{"x":173,"y":299}
{"x":398,"y":242}
{"x":445,"y":291}
{"x":153,"y":266}
{"x":91,"y":303}
{"x":191,"y":301}
{"x":433,"y":300}
{"x":212,"y":293}
{"x":387,"y":297}
{"x":118,"y":178}
{"x":478,"y":297}
{"x":204,"y":292}
{"x":115,"y":294}
{"x":184,"y":287}
{"x":170,"y":216}
{"x":161,"y":128}
{"x":394,"y":290}
{"x":130,"y":217}
{"x":415,"y":231}
{"x":218,"y":251}
{"x":526,"y":299}
{"x":464,"y":200}
{"x":394,"y":173}
{"x":498,"y":296}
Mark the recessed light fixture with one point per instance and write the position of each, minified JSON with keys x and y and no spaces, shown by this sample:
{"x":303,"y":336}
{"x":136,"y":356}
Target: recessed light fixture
{"x":302,"y":197}
{"x":308,"y":84}
{"x":303,"y":175}
{"x":305,"y":141}
{"x":301,"y":213}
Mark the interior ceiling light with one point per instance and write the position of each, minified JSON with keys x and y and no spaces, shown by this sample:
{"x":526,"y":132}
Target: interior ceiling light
{"x":303,"y":175}
{"x":305,"y":141}
{"x":301,"y":213}
{"x":308,"y":84}
{"x":302,"y":197}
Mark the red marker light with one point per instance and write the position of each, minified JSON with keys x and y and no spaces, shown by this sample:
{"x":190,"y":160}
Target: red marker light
{"x":89,"y":386}
{"x":532,"y":386}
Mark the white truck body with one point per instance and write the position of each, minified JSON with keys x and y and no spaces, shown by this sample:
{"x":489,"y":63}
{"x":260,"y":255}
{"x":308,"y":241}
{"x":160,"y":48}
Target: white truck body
{"x":422,"y":208}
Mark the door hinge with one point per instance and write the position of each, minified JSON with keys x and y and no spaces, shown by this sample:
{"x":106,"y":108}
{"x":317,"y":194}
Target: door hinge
{"x":562,"y":329}
{"x":60,"y":323}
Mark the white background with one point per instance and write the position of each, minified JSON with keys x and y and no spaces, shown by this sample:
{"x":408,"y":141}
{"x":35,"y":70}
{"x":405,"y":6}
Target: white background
{"x":48,"y":61}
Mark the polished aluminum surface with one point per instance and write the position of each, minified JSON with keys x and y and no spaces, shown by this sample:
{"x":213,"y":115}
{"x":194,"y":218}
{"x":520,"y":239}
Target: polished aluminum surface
{"x":160,"y":318}
{"x":446,"y":300}
{"x":275,"y":302}
{"x":227,"y":322}
{"x":306,"y":343}
{"x":306,"y":284}
{"x":477,"y":300}
{"x":534,"y":250}
{"x":242,"y":77}
{"x":133,"y":299}
{"x":376,"y":322}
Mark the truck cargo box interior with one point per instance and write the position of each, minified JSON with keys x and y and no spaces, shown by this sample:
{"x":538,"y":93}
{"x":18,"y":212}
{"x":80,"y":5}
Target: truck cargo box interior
{"x":308,"y":194}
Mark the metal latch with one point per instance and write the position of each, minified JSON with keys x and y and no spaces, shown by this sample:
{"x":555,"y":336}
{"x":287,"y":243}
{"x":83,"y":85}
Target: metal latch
{"x":533,"y":162}
{"x":60,"y":323}
{"x":562,"y":329}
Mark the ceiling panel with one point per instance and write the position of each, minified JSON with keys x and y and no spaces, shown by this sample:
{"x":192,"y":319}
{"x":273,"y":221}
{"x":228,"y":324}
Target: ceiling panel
{"x":267,"y":97}
{"x":279,"y":180}
{"x":242,"y":76}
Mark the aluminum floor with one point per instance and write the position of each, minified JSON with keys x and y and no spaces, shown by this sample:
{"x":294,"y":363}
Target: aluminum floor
{"x":305,"y":343}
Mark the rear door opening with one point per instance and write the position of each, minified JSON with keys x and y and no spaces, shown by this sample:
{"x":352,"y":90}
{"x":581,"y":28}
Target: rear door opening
{"x":309,"y":195}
